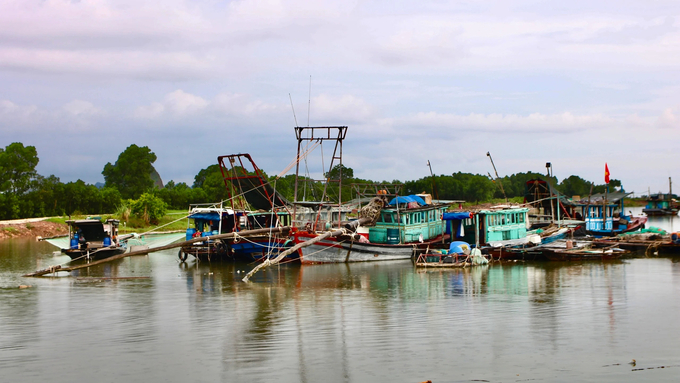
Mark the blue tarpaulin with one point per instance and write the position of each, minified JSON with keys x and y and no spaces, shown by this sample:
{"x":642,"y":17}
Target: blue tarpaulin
{"x":407,"y":199}
{"x":457,"y":215}
{"x":206,"y":216}
{"x":455,"y":222}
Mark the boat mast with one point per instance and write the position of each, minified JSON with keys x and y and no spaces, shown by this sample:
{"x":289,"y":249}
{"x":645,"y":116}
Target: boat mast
{"x":499,"y":179}
{"x":434,"y":186}
{"x":320,"y":134}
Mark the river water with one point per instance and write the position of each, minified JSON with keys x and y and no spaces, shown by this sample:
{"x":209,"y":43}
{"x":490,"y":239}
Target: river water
{"x":372,"y":322}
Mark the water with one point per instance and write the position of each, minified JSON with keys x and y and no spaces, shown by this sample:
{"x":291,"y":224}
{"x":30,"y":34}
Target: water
{"x":374,"y":322}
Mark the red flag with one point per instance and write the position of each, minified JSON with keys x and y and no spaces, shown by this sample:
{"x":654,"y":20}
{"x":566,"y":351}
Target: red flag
{"x":606,"y":173}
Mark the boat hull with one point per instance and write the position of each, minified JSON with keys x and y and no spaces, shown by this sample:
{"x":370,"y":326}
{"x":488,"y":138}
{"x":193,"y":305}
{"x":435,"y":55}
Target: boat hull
{"x":100,"y":253}
{"x":660,"y":212}
{"x":583,"y":255}
{"x":636,"y":223}
{"x":251,"y":249}
{"x":335,"y":250}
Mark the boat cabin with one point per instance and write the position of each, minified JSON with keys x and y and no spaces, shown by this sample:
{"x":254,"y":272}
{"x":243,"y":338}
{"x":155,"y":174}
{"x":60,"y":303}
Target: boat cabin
{"x":498,"y":226}
{"x":408,"y":219}
{"x":92,"y":233}
{"x":209,"y":221}
{"x":319,"y":216}
{"x":604,"y":212}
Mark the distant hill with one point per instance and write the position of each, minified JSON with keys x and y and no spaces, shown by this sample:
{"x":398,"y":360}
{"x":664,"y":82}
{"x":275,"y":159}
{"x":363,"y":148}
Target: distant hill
{"x":157,"y":181}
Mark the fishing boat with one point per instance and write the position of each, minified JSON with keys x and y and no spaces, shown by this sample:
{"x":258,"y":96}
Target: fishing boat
{"x":256,"y":205}
{"x":658,"y":205}
{"x":398,"y":226}
{"x":604,"y":215}
{"x":209,"y":221}
{"x":405,"y":224}
{"x":93,"y":239}
{"x":662,"y":204}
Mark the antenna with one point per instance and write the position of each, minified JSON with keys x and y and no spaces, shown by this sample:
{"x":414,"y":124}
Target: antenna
{"x":292,"y":107}
{"x":309,"y":100}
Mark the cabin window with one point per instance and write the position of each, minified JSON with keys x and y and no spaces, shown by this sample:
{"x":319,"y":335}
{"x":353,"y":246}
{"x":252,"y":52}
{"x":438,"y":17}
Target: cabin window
{"x":387,"y":218}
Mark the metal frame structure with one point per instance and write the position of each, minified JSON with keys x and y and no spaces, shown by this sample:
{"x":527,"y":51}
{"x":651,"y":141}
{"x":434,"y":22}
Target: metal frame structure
{"x":320,"y":134}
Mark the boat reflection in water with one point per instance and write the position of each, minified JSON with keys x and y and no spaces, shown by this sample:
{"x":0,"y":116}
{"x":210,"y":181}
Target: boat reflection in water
{"x":380,"y":321}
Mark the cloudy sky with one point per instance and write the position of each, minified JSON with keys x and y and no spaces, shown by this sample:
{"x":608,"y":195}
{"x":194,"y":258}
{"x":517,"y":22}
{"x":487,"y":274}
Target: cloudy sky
{"x":576,"y":83}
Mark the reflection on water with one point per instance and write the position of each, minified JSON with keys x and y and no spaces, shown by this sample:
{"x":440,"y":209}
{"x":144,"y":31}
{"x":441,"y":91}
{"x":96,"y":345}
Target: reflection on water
{"x":337,"y":323}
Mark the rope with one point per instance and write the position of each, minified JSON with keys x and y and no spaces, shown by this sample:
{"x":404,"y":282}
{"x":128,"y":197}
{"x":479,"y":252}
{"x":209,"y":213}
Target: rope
{"x":169,"y":223}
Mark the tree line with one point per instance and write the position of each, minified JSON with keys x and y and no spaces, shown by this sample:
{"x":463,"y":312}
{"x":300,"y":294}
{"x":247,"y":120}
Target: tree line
{"x":132,"y":187}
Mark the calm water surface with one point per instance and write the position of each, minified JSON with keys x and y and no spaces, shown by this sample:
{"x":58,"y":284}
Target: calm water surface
{"x":375,"y":322}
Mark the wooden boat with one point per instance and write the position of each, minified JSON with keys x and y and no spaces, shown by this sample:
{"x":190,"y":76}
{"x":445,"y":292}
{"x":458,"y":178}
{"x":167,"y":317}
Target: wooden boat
{"x":407,"y":223}
{"x":652,"y":242}
{"x":584,"y":254}
{"x":460,"y":255}
{"x":403,"y":223}
{"x":604,"y":215}
{"x":660,"y":204}
{"x":206,"y":222}
{"x":255,"y":205}
{"x":496,"y":230}
{"x":93,"y":239}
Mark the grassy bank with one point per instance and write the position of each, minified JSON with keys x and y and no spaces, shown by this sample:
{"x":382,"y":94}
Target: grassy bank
{"x":173,"y":220}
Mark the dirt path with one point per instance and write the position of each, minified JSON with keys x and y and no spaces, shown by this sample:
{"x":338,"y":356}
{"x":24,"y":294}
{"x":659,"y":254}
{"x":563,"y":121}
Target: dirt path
{"x":31,"y":227}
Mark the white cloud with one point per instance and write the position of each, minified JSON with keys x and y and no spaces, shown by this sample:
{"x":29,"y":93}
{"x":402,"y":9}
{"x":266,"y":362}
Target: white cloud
{"x":534,"y":123}
{"x":152,"y":111}
{"x":668,"y":120}
{"x":82,"y":108}
{"x":8,"y":108}
{"x":182,"y":103}
{"x":347,"y":108}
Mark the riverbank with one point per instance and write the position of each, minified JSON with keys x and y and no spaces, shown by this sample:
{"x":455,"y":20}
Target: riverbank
{"x":31,"y":228}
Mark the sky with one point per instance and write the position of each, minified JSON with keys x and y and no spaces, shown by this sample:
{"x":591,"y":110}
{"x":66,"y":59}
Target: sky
{"x":577,"y":84}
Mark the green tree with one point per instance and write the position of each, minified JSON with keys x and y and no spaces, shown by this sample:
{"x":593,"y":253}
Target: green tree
{"x":110,"y":200}
{"x":203,"y":174}
{"x":131,"y":174}
{"x":575,"y":185}
{"x":210,"y":180}
{"x":149,"y":208}
{"x":334,"y":174}
{"x":17,"y":168}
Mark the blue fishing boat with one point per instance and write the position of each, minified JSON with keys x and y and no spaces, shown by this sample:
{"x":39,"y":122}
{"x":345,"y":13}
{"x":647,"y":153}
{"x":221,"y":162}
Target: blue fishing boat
{"x":604,"y":215}
{"x":209,"y":221}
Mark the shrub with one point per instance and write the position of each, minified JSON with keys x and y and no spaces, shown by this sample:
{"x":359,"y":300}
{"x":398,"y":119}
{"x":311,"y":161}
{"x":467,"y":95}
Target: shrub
{"x":149,"y":208}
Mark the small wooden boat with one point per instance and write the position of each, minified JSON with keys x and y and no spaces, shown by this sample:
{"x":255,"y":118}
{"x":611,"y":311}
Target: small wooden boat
{"x":93,"y":239}
{"x":565,"y":250}
{"x":650,"y":242}
{"x":460,"y":256}
{"x":593,"y":254}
